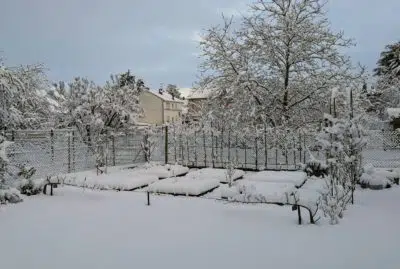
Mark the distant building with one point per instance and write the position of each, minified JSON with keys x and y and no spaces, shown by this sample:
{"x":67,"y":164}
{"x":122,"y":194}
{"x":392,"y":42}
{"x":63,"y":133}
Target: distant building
{"x":160,"y":107}
{"x":195,"y":103}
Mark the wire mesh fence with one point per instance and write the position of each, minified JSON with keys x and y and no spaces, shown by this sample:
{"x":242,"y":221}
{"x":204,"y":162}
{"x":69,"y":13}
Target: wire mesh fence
{"x":64,"y":151}
{"x":383,"y":149}
{"x":54,"y":152}
{"x":259,"y":151}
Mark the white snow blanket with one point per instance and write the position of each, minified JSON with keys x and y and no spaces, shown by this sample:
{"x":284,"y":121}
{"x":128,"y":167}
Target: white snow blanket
{"x":195,"y":183}
{"x":377,"y":178}
{"x":217,"y":174}
{"x":91,"y":229}
{"x":284,"y":191}
{"x":162,"y":171}
{"x":248,"y":191}
{"x":188,"y":186}
{"x":296,"y":177}
{"x":119,"y":180}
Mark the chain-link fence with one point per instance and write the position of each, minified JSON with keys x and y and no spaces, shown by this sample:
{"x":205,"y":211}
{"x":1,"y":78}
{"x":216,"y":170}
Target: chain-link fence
{"x":260,"y":150}
{"x":383,"y":149}
{"x":64,"y":151}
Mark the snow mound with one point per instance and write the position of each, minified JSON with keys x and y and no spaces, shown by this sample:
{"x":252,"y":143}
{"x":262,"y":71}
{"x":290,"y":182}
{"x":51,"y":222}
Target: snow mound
{"x":188,"y":186}
{"x":217,"y":174}
{"x":275,"y":192}
{"x":163,"y":171}
{"x":121,"y":181}
{"x":10,"y":196}
{"x":376,"y":179}
{"x":277,"y":177}
{"x":247,"y":191}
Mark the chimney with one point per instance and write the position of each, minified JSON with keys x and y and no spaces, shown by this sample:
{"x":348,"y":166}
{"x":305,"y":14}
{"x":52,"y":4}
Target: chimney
{"x":160,"y":91}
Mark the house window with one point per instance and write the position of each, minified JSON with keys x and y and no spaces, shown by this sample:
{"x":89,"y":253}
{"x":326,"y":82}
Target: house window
{"x":166,"y":105}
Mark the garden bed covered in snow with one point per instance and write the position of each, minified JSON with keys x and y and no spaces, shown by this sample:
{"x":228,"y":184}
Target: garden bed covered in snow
{"x":124,"y":178}
{"x":195,"y":183}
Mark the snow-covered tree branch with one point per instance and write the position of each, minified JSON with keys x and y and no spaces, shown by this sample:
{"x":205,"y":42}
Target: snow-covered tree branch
{"x":277,"y":67}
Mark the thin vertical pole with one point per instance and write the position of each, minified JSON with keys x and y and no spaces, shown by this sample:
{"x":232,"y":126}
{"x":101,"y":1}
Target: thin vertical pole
{"x":256,"y":148}
{"x":245,"y":152}
{"x":187,"y":149}
{"x":205,"y":149}
{"x":73,"y":150}
{"x":294,"y":153}
{"x":166,"y":145}
{"x":175,"y":144}
{"x":52,"y":144}
{"x":195,"y":147}
{"x":212,"y":147}
{"x":222,"y":148}
{"x":113,"y":149}
{"x":69,"y":151}
{"x":265,"y":147}
{"x":229,"y":145}
{"x":236,"y":148}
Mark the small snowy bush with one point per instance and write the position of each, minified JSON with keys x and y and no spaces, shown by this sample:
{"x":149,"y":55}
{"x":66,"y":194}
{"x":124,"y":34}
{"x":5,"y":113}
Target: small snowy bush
{"x":375,"y":180}
{"x":230,"y":171}
{"x":316,"y":168}
{"x":27,"y":186}
{"x":9,"y":196}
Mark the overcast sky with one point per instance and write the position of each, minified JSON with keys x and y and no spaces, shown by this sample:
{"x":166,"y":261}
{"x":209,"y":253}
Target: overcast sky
{"x":156,"y":39}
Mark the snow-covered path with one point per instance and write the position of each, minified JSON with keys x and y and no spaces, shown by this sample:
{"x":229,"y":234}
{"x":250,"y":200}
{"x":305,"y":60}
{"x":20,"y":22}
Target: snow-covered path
{"x":92,"y":229}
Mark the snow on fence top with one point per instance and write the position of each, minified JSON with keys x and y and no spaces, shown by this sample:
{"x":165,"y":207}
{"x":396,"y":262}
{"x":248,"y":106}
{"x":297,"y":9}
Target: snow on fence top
{"x":393,"y":113}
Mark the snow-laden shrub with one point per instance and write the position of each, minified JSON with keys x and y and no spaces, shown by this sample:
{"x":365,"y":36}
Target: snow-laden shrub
{"x":230,"y":171}
{"x":27,"y":185}
{"x":376,"y":180}
{"x":316,"y":168}
{"x":9,"y":196}
{"x":334,"y":201}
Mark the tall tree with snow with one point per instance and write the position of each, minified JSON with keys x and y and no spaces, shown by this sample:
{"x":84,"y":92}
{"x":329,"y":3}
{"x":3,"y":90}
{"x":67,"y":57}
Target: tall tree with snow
{"x":389,"y":62}
{"x":387,"y":92}
{"x":280,"y":61}
{"x":21,"y":106}
{"x":95,"y":110}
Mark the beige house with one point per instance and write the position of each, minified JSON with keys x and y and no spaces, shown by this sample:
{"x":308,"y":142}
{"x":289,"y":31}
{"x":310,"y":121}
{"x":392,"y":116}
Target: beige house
{"x":160,"y":107}
{"x":195,"y":103}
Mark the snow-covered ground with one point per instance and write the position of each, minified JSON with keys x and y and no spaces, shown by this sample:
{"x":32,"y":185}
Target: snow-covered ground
{"x":102,"y":229}
{"x":123,"y":177}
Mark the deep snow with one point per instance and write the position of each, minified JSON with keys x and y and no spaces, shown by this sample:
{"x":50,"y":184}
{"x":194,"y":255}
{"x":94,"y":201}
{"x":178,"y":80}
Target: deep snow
{"x":104,"y":229}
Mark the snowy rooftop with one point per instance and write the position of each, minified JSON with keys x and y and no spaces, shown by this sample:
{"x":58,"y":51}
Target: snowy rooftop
{"x":185,"y":92}
{"x":165,"y":96}
{"x":393,"y":113}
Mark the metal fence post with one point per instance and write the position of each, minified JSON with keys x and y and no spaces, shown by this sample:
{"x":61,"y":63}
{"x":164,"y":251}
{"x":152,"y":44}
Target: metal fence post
{"x":256,"y":149}
{"x":166,"y":145}
{"x":113,"y":149}
{"x":52,"y":144}
{"x":69,"y":151}
{"x":73,"y":150}
{"x":205,"y":149}
{"x":265,"y":147}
